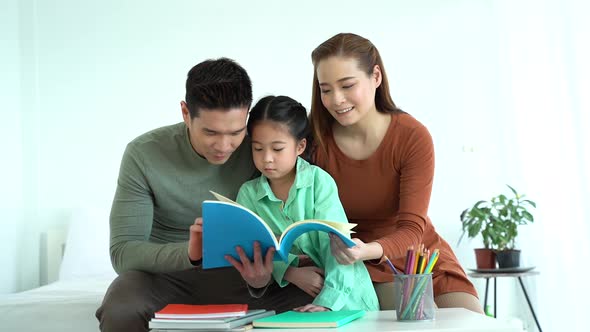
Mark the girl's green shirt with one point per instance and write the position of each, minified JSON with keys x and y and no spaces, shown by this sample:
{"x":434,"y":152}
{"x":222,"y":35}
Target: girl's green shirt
{"x":314,"y":195}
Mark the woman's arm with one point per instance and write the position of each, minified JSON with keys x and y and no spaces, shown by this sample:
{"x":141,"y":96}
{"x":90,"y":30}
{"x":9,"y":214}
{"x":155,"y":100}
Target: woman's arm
{"x":415,"y":163}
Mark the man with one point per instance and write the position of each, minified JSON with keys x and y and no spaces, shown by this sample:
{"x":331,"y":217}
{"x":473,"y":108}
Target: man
{"x":165,"y":174}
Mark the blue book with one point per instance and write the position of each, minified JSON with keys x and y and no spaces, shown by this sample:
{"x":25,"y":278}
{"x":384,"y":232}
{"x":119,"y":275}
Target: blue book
{"x":321,"y":319}
{"x":227,"y":224}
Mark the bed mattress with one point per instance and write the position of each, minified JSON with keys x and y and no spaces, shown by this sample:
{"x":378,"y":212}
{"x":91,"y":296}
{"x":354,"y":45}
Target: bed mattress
{"x":66,"y":305}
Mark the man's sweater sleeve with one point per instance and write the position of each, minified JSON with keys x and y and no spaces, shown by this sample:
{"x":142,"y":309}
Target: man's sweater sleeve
{"x":131,"y":223}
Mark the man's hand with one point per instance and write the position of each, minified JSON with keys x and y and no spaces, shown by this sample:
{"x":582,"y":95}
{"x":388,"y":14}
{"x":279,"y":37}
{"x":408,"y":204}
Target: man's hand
{"x":195,"y":242}
{"x":258,"y":273}
{"x":311,"y":308}
{"x":310,"y":279}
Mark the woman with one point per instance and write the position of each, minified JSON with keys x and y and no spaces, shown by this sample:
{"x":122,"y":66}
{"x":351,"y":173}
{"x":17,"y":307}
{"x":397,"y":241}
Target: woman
{"x":382,"y":160}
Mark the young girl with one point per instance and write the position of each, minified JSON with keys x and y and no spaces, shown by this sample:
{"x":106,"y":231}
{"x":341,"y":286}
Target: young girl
{"x":290,"y":190}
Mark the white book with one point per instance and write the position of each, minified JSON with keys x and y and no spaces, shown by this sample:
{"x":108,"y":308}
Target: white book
{"x":242,"y":328}
{"x":221,"y":324}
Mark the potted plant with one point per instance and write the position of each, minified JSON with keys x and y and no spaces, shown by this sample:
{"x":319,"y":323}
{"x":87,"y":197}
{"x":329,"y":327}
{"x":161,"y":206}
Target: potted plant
{"x":497,"y":221}
{"x":476,"y":221}
{"x":509,"y":214}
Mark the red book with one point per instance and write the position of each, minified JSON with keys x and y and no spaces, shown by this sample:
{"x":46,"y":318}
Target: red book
{"x":194,"y":311}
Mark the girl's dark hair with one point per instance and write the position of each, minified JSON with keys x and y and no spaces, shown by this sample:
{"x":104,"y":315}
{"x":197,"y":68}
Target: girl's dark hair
{"x":283,"y":110}
{"x":347,"y":45}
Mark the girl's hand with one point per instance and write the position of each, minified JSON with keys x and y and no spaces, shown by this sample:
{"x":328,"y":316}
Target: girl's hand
{"x":304,"y":260}
{"x":257,"y":273}
{"x":311,"y":308}
{"x":361,"y":252}
{"x":310,"y":279}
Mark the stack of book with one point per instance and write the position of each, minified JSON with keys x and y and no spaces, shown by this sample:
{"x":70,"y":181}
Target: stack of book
{"x":213,"y":317}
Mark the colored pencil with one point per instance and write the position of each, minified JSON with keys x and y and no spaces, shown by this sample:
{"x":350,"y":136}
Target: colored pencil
{"x":433,"y":260}
{"x":406,"y":285}
{"x":390,"y":265}
{"x":419,"y":263}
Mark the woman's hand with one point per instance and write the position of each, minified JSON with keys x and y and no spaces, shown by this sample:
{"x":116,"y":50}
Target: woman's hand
{"x":311,"y":308}
{"x":310,"y":279}
{"x":361,"y":252}
{"x":257,"y":273}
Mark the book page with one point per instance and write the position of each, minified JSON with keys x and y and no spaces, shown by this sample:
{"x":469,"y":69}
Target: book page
{"x":222,"y":198}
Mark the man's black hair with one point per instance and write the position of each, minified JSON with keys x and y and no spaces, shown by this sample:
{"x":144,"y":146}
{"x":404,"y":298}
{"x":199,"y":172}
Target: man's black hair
{"x":217,"y":84}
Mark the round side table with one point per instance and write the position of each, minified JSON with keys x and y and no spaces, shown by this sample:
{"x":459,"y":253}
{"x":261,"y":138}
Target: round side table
{"x":501,"y":274}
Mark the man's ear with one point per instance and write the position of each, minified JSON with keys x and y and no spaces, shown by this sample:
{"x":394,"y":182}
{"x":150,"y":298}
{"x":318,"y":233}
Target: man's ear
{"x":186,"y":115}
{"x":301,"y":146}
{"x":377,"y":76}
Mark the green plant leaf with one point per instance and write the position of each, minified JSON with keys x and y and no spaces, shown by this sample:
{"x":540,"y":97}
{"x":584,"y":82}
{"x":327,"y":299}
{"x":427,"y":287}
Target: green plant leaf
{"x":528,"y":216}
{"x":476,"y":205}
{"x":463,"y":214}
{"x":530,"y":202}
{"x":513,"y":190}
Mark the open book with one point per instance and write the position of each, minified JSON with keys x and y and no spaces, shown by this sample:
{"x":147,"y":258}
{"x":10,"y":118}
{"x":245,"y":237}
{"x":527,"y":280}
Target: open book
{"x":227,"y":224}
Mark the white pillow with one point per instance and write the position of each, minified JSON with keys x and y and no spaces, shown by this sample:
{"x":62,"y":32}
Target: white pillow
{"x":87,"y":246}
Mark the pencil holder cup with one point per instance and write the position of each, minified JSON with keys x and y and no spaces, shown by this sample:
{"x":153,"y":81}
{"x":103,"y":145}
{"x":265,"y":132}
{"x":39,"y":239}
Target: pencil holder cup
{"x":413,"y":297}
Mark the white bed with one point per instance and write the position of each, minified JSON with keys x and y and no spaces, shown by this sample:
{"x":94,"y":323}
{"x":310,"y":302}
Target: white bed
{"x":69,"y":303}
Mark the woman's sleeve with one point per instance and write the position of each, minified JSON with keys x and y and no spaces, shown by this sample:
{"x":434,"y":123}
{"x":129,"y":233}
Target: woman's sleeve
{"x":416,"y":167}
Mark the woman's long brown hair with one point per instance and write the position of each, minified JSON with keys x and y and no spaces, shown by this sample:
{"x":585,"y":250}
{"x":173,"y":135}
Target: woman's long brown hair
{"x":347,"y":45}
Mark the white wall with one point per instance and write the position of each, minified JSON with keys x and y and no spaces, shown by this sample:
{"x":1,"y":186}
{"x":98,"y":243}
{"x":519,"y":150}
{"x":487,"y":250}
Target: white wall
{"x":95,"y":75}
{"x":11,"y":142}
{"x":85,"y":77}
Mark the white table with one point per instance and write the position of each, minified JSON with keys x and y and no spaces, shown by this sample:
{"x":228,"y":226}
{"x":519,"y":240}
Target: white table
{"x":450,"y":320}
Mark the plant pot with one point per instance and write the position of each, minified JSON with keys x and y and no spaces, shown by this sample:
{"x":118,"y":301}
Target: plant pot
{"x":508,"y":258}
{"x":485,"y":258}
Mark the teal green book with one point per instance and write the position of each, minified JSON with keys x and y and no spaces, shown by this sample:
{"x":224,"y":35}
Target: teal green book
{"x":322,"y":319}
